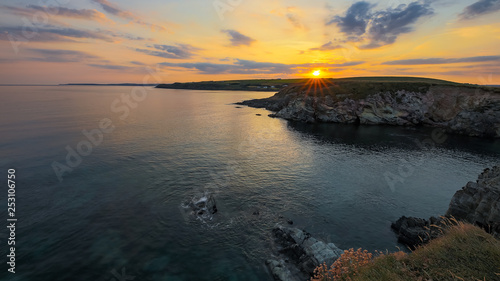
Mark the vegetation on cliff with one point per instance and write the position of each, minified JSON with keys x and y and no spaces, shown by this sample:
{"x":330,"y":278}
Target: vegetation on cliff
{"x":355,"y":86}
{"x":464,"y":252}
{"x":266,"y":85}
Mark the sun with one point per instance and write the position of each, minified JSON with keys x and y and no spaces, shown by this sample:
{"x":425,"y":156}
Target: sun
{"x":316,"y":73}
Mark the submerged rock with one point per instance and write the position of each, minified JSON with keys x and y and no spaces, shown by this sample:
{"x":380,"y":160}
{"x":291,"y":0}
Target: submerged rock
{"x":281,"y":271}
{"x":300,"y":253}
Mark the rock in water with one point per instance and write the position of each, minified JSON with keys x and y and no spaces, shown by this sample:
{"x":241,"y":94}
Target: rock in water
{"x":203,"y":207}
{"x":479,"y":202}
{"x":302,"y":251}
{"x":416,"y":231}
{"x":280,"y":271}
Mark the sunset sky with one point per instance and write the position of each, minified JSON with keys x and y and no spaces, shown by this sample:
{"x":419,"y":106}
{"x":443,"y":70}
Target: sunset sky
{"x":114,"y":41}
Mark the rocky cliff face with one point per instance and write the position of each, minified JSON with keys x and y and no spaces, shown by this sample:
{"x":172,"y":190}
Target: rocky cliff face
{"x":462,"y":110}
{"x":479,"y":202}
{"x":476,"y":203}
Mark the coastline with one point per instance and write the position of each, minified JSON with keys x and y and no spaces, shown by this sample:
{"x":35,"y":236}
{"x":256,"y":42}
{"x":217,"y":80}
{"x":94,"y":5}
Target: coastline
{"x":458,"y":108}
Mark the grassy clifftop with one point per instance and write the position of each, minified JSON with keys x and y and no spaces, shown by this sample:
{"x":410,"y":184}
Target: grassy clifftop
{"x":355,"y":87}
{"x":464,"y":252}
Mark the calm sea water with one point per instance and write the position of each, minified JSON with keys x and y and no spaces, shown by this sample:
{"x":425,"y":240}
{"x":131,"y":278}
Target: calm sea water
{"x":123,"y":209}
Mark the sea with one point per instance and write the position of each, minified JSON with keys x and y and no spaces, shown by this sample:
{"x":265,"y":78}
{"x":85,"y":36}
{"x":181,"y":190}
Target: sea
{"x":106,"y":178}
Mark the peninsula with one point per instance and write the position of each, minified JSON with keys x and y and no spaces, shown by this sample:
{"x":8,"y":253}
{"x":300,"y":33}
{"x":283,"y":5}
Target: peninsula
{"x":265,"y":85}
{"x":465,"y":109}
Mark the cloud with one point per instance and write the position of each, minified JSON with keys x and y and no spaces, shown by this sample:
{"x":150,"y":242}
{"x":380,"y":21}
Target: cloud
{"x":52,"y":55}
{"x":253,"y":67}
{"x":356,"y":19}
{"x":443,"y":60}
{"x":238,"y":39}
{"x":294,"y":20}
{"x":178,"y":51}
{"x":380,"y":28}
{"x":327,"y":47}
{"x":117,"y":11}
{"x":86,"y":14}
{"x":293,"y":17}
{"x":137,"y":63}
{"x":387,"y":25}
{"x":109,"y":66}
{"x":480,"y":8}
{"x":123,"y":35}
{"x":50,"y":34}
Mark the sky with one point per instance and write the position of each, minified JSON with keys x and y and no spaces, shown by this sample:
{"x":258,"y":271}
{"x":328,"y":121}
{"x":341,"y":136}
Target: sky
{"x":120,"y":41}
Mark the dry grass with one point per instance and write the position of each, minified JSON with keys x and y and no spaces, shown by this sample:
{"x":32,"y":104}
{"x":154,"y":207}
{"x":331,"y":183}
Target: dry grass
{"x":464,"y":252}
{"x":348,"y":264}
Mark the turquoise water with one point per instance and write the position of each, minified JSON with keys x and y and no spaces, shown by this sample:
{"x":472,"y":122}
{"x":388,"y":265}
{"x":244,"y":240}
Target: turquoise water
{"x":125,"y":206}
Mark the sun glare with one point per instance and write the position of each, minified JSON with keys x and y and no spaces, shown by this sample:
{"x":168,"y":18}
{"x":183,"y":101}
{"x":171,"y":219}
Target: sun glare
{"x":316,"y":73}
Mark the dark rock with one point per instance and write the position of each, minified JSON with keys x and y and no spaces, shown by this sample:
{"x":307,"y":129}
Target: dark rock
{"x":479,"y":202}
{"x":476,"y":203}
{"x":204,"y":205}
{"x":290,"y":222}
{"x":413,"y":231}
{"x":256,"y":213}
{"x":303,"y":251}
{"x":258,"y":114}
{"x":281,"y":271}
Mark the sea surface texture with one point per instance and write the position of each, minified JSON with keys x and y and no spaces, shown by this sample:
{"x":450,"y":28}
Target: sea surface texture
{"x":125,"y":205}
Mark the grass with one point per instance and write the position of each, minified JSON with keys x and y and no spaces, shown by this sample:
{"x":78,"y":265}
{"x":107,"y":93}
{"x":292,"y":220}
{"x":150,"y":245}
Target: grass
{"x":361,"y":87}
{"x":464,"y":252}
{"x":355,"y":87}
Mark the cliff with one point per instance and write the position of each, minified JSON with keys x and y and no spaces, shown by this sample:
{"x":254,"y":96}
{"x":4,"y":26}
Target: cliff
{"x":476,"y":203}
{"x":479,"y":202}
{"x":459,"y":108}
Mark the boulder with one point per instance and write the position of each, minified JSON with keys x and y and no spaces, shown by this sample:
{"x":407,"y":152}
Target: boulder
{"x":303,"y":251}
{"x":413,"y":232}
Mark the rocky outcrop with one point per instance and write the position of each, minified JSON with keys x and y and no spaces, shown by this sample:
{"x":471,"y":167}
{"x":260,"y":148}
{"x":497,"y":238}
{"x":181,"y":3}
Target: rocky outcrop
{"x":202,"y":206}
{"x":462,"y":110}
{"x":476,"y":203}
{"x":299,"y":254}
{"x":414,"y":232}
{"x":479,"y":202}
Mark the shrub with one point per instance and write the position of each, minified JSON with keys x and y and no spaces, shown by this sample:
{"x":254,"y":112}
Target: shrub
{"x":345,"y":267}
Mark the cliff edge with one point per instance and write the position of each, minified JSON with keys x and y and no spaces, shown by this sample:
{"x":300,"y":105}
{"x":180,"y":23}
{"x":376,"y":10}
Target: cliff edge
{"x":459,"y":108}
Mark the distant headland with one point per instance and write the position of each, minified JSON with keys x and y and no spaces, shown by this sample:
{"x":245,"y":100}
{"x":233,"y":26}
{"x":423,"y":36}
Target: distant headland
{"x":264,"y":85}
{"x":466,"y":109}
{"x":119,"y":84}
